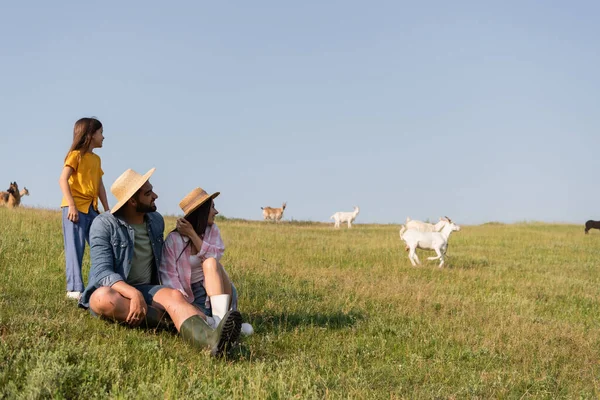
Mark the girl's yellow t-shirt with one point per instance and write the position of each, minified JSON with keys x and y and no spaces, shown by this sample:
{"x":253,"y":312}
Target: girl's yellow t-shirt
{"x":85,"y":180}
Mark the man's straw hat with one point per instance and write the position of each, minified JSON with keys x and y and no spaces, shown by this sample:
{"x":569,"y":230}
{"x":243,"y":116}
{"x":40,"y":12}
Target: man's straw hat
{"x":195,"y":199}
{"x":126,"y":185}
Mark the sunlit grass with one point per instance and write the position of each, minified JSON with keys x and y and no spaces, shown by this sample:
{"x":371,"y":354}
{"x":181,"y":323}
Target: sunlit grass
{"x":337,"y":314}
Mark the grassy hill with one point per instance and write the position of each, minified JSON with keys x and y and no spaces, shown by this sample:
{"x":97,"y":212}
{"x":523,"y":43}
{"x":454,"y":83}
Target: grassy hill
{"x":337,"y":314}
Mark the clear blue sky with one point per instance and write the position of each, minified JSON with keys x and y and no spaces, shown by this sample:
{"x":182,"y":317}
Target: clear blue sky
{"x":479,"y":111}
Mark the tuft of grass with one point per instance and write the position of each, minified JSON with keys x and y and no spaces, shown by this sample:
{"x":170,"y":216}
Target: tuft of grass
{"x":337,"y":314}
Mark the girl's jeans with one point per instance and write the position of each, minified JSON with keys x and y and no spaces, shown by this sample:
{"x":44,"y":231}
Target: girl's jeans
{"x":75,"y":235}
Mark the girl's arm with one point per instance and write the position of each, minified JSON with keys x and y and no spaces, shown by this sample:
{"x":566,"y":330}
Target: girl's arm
{"x":63,"y":181}
{"x":102,"y":195}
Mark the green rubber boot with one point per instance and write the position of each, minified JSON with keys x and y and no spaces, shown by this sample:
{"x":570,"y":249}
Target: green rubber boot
{"x":158,"y":319}
{"x":196,"y":331}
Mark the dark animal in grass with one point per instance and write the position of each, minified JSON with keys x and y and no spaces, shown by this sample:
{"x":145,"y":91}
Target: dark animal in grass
{"x":591,"y":224}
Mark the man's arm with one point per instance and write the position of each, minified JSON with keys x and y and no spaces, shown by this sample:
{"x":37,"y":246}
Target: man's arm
{"x":102,"y":271}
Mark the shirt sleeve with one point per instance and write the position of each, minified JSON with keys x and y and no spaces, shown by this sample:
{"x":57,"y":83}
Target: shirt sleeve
{"x":102,"y":271}
{"x":168,"y":264}
{"x":72,"y":160}
{"x":212,"y":245}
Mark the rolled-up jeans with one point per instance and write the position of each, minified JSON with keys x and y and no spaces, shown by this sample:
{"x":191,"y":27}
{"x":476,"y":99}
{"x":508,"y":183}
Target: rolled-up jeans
{"x":75,"y":235}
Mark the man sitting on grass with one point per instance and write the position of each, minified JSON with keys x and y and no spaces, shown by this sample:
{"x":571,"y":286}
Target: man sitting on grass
{"x":126,"y":248}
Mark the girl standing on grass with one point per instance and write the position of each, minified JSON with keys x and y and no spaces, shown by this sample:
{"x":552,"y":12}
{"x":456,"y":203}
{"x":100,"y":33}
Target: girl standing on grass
{"x":81,"y":185}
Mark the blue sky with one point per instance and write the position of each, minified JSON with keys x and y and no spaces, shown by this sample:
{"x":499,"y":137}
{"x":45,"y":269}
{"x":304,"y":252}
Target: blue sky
{"x":479,"y":111}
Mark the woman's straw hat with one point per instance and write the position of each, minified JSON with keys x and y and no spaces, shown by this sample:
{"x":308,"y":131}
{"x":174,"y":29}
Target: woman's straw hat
{"x":195,"y":199}
{"x":126,"y":185}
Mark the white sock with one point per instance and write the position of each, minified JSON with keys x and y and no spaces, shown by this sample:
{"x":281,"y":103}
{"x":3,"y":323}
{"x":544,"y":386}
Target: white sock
{"x":220,"y":305}
{"x":213,"y":322}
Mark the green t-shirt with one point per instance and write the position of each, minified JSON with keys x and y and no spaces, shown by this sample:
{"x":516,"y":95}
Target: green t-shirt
{"x":143,"y":259}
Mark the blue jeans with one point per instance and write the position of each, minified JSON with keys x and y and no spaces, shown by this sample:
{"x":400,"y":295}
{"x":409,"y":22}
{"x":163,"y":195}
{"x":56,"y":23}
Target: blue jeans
{"x":75,"y":235}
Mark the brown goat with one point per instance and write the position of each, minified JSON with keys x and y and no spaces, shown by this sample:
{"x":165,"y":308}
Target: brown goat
{"x":274,"y":214}
{"x":12,"y":197}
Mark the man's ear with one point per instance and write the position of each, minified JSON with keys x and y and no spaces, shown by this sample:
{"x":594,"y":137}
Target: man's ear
{"x":132,"y":201}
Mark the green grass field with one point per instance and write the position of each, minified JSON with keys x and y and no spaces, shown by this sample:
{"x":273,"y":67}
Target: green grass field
{"x":337,"y":314}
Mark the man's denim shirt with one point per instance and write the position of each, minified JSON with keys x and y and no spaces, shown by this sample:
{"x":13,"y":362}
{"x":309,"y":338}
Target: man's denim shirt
{"x":111,"y":250}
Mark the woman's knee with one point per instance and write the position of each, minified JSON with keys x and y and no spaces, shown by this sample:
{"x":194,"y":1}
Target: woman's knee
{"x":168,"y":296}
{"x":210,"y":264}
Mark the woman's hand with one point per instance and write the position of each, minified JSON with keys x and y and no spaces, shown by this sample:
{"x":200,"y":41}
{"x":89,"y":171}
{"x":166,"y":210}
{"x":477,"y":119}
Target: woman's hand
{"x":73,"y":214}
{"x":185,"y":228}
{"x":137,"y":309}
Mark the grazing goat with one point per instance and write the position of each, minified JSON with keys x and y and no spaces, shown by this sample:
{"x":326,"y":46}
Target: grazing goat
{"x":345,"y":216}
{"x":12,"y":197}
{"x":274,"y":214}
{"x":591,"y":225}
{"x":437,"y":241}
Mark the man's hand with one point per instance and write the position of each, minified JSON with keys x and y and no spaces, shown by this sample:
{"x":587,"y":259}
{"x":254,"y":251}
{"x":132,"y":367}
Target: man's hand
{"x":137,"y":309}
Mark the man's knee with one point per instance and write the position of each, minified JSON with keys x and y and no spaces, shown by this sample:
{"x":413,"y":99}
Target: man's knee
{"x":104,"y":300}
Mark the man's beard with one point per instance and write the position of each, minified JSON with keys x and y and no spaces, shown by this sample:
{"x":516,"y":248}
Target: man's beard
{"x":145,"y":208}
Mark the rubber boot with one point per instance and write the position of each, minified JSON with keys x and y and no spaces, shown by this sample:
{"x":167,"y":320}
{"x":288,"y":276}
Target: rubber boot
{"x":196,"y":331}
{"x":156,"y":318}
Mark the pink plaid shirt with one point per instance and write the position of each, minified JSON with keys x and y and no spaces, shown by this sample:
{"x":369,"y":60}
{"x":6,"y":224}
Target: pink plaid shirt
{"x":178,"y":273}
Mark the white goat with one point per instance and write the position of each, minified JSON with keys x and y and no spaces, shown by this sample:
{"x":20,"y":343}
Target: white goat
{"x":423,"y":226}
{"x":274,"y":214}
{"x":437,"y":241}
{"x":345,"y":216}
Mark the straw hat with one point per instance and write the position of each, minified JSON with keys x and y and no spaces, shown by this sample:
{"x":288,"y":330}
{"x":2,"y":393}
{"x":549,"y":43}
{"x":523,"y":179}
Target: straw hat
{"x":126,"y":185}
{"x":195,"y":199}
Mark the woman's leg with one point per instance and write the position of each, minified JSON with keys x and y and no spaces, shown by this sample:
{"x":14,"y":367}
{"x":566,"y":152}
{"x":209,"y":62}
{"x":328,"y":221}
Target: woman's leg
{"x":216,"y":280}
{"x":222,"y":293}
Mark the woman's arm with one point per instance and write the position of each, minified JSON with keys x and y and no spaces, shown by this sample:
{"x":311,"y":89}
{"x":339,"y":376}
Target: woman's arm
{"x":168,"y":264}
{"x":213,"y":245}
{"x":63,"y":181}
{"x":102,"y":195}
{"x":185,"y":228}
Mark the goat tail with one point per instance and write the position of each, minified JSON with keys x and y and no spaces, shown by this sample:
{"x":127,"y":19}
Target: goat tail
{"x":402,"y":230}
{"x":262,"y":208}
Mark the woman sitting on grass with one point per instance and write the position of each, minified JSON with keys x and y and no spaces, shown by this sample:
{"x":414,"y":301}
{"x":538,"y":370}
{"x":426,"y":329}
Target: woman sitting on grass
{"x":190,"y":260}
